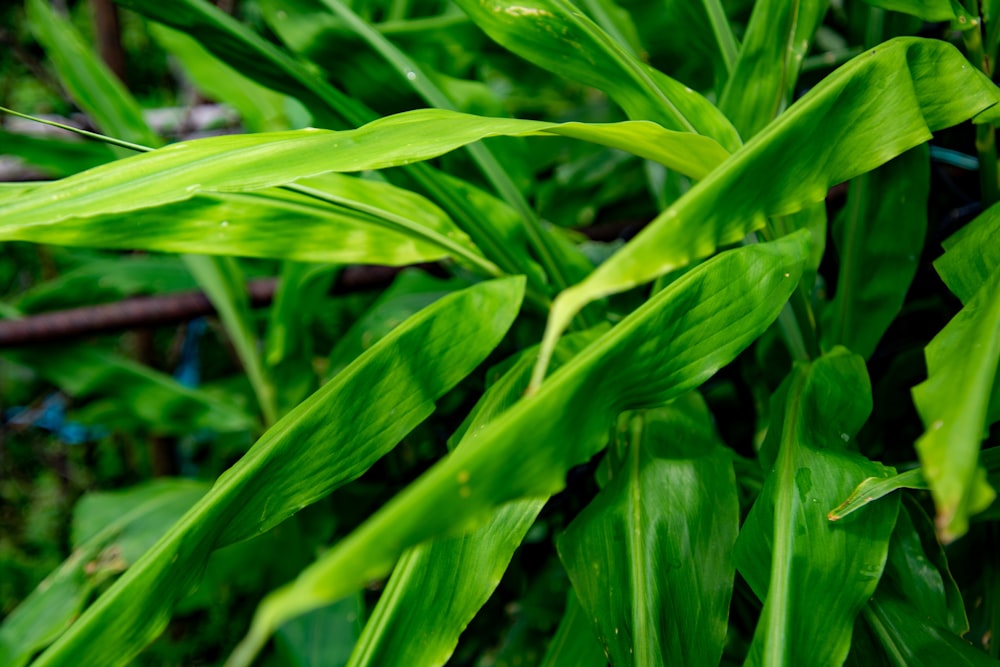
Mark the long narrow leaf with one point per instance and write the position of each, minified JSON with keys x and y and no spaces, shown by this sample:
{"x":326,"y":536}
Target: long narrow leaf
{"x":556,"y":35}
{"x":793,"y":162}
{"x":179,"y":171}
{"x":671,"y":344}
{"x":328,"y":440}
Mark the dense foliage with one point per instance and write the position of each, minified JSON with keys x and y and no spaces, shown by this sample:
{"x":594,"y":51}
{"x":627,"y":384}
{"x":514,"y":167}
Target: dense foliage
{"x":693,"y":360}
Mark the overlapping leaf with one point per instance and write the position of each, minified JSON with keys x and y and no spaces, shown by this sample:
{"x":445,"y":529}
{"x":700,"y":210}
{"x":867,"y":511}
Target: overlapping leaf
{"x":671,"y":344}
{"x":556,"y":35}
{"x":102,"y":548}
{"x":326,"y":441}
{"x":835,"y":132}
{"x":794,"y":559}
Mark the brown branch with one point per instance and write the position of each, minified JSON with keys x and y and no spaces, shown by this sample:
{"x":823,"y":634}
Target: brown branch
{"x":160,"y":310}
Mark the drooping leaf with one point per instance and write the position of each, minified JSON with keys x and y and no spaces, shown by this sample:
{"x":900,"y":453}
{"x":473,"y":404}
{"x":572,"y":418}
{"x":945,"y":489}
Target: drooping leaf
{"x":244,"y":163}
{"x":671,"y":344}
{"x":651,"y":556}
{"x":971,"y":255}
{"x":794,"y":559}
{"x":278,"y":224}
{"x":557,"y":36}
{"x":111,"y":530}
{"x":954,"y":403}
{"x":879,"y":236}
{"x":793,"y":162}
{"x":321,"y":638}
{"x":326,"y":441}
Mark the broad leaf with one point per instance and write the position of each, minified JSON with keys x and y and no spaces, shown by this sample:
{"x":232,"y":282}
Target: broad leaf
{"x":879,"y":236}
{"x":328,"y":440}
{"x":794,"y":559}
{"x":928,"y":10}
{"x":971,"y":255}
{"x":111,"y":531}
{"x":651,"y":556}
{"x":954,"y":403}
{"x":671,"y":344}
{"x":796,"y":159}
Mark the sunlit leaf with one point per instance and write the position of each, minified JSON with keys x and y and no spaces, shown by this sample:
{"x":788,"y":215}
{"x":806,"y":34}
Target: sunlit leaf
{"x":835,"y":132}
{"x":672,"y":343}
{"x":971,"y":255}
{"x":556,"y":35}
{"x":328,"y":440}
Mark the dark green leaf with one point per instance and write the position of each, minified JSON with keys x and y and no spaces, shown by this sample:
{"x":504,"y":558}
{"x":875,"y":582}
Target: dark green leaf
{"x":651,"y":556}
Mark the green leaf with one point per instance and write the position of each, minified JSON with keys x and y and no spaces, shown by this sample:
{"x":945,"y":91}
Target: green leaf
{"x":651,"y":556}
{"x":110,"y":531}
{"x":399,"y":228}
{"x":971,"y":255}
{"x":556,"y":35}
{"x":574,"y":644}
{"x":793,"y":162}
{"x":260,"y":108}
{"x":763,"y":79}
{"x":242,"y":163}
{"x":223,"y":283}
{"x":917,"y":570}
{"x":55,"y":157}
{"x":157,"y":400}
{"x":928,"y":10}
{"x":954,"y":403}
{"x":794,"y":559}
{"x":911,"y":639}
{"x":671,"y":344}
{"x":87,"y":79}
{"x":409,"y":292}
{"x":873,"y":488}
{"x":322,"y":638}
{"x":328,"y":440}
{"x":409,"y":625}
{"x":879,"y":236}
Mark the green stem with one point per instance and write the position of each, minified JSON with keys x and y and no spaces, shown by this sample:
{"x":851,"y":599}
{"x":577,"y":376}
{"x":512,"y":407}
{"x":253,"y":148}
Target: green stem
{"x":986,"y":144}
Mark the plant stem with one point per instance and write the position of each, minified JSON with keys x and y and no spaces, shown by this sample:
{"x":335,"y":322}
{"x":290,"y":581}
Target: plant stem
{"x":986,"y":144}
